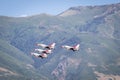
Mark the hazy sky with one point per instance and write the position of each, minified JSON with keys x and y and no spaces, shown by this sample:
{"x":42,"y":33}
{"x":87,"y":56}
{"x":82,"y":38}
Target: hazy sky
{"x":54,"y":7}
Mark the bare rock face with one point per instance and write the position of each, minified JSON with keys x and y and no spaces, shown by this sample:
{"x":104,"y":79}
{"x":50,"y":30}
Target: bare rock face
{"x":96,"y":28}
{"x":60,"y":71}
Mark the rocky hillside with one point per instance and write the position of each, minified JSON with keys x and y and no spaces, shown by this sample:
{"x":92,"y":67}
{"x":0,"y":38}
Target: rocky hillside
{"x":95,"y":28}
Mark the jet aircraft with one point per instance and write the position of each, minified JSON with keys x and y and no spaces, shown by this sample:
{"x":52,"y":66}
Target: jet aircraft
{"x":48,"y":49}
{"x":44,"y":51}
{"x":73,"y":48}
{"x":43,"y":55}
{"x":50,"y":46}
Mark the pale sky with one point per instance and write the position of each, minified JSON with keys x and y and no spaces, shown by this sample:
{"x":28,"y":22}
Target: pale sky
{"x":53,"y":7}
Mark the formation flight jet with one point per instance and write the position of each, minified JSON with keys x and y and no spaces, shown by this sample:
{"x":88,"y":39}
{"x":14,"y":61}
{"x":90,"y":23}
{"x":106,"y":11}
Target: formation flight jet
{"x":44,"y":51}
{"x":43,"y":55}
{"x":48,"y":49}
{"x":73,"y":48}
{"x":50,"y":46}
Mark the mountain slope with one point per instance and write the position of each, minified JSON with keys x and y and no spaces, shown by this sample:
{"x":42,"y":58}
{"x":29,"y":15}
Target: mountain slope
{"x":15,"y":64}
{"x":96,"y":28}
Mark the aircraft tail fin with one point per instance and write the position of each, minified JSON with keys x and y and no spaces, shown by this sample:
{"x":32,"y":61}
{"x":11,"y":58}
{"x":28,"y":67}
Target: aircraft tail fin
{"x":52,"y":46}
{"x":77,"y":46}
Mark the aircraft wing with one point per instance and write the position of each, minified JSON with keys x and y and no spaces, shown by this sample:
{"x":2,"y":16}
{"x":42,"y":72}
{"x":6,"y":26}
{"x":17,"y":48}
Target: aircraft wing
{"x":67,"y":47}
{"x":43,"y":55}
{"x":39,"y":50}
{"x":42,"y":45}
{"x":35,"y":54}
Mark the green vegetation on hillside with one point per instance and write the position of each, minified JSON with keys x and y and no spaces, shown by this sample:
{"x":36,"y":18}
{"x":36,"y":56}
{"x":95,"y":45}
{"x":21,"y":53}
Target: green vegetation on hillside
{"x":96,"y":28}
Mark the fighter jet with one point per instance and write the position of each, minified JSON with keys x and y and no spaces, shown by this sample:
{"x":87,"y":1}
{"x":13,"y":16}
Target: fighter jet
{"x":43,"y":55}
{"x":44,"y":51}
{"x":51,"y":46}
{"x":73,"y":48}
